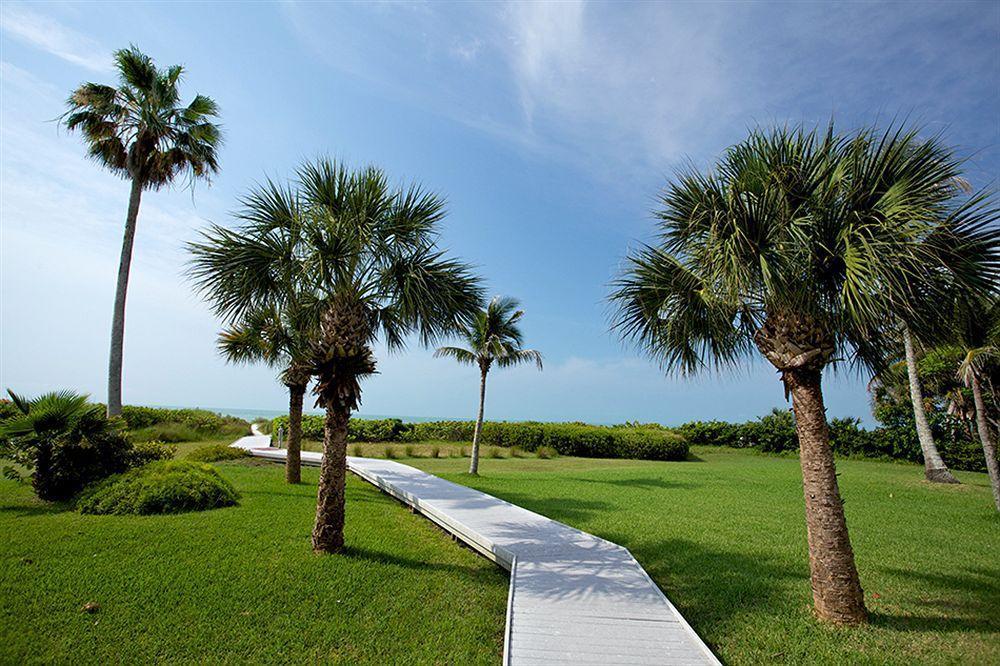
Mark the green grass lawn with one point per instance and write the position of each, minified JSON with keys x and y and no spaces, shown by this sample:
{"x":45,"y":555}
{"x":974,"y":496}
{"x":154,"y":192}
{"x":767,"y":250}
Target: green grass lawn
{"x":241,"y":585}
{"x":724,"y":536}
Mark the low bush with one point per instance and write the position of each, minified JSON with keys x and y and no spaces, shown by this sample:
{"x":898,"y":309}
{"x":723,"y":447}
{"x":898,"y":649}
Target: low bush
{"x":174,"y":424}
{"x":169,"y":486}
{"x":390,"y":452}
{"x":569,"y":439}
{"x":144,"y":453}
{"x":357,"y":451}
{"x":545,"y":452}
{"x":408,"y":451}
{"x":217,"y":452}
{"x":170,"y":432}
{"x":494,"y":452}
{"x":358,"y":430}
{"x":435,"y":452}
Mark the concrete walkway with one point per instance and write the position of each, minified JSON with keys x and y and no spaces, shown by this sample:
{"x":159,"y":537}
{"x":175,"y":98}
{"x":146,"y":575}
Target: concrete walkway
{"x":574,"y":598}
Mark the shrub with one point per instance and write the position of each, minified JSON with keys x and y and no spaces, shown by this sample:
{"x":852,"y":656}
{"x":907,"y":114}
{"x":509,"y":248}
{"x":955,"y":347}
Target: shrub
{"x":390,"y":452}
{"x":463,"y":452}
{"x":170,"y":432}
{"x":200,"y":421}
{"x":545,"y":452}
{"x":408,"y":451}
{"x":169,"y":486}
{"x":146,"y":452}
{"x":217,"y":452}
{"x":357,"y":451}
{"x":358,"y":430}
{"x":516,"y":452}
{"x":494,"y":452}
{"x":65,"y":442}
{"x":435,"y":452}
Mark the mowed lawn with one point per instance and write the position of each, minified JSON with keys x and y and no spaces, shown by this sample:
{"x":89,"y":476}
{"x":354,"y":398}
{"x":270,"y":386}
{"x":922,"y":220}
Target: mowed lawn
{"x":241,"y":585}
{"x":724,"y":536}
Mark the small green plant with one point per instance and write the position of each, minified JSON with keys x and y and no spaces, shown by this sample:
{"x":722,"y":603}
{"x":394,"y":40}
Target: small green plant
{"x":435,"y":452}
{"x":168,"y":486}
{"x":545,"y":452}
{"x":516,"y":452}
{"x":409,"y":451}
{"x":463,"y":452}
{"x":495,"y":452}
{"x":217,"y":452}
{"x":357,"y":450}
{"x":390,"y":452}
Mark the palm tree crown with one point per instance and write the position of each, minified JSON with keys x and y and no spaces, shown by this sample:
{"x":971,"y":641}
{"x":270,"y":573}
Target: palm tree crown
{"x":278,"y":338}
{"x":139,"y":129}
{"x":494,"y":336}
{"x":818,"y":240}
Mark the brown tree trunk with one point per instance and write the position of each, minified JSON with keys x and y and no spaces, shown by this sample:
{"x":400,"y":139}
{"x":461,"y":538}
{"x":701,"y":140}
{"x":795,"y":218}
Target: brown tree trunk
{"x":986,"y":439}
{"x":474,"y":464}
{"x":837,"y":594}
{"x":293,"y":454}
{"x":934,"y":468}
{"x":118,"y":318}
{"x":328,"y":532}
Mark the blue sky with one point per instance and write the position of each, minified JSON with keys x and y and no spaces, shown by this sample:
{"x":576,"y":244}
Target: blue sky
{"x":549,"y":128}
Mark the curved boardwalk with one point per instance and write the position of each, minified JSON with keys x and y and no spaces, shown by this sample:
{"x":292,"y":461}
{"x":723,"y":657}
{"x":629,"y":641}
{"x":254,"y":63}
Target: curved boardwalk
{"x":574,"y":598}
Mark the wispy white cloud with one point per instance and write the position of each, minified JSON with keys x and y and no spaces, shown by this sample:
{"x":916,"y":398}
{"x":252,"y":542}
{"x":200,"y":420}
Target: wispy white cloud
{"x":46,"y":33}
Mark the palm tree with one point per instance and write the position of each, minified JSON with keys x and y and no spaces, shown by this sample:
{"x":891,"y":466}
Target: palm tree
{"x":141,"y":132}
{"x":365,"y":253}
{"x":805,"y":246}
{"x":493,"y":337}
{"x":935,"y":469}
{"x":281,"y":340}
{"x":977,"y":331}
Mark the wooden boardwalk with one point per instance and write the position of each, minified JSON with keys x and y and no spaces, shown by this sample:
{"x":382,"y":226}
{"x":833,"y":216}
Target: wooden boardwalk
{"x":574,"y":598}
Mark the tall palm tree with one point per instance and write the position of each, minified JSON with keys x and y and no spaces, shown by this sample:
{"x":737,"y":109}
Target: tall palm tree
{"x":282,"y":340}
{"x":935,"y":469}
{"x":366,"y":253}
{"x":977,"y":331}
{"x":140,"y":131}
{"x":494,"y":336}
{"x":798,"y":244}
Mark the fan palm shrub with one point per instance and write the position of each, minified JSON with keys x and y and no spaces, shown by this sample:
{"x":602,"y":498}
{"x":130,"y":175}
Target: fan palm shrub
{"x":365,"y":255}
{"x":66,"y":442}
{"x":141,"y":131}
{"x":494,"y":336}
{"x":280,"y":338}
{"x":806,"y":247}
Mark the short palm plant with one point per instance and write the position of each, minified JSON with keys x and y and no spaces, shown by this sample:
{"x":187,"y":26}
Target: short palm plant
{"x":494,"y":336}
{"x":365,"y":252}
{"x":977,"y":332}
{"x":140,"y":131}
{"x":806,"y":247}
{"x":42,"y":435}
{"x":281,"y":339}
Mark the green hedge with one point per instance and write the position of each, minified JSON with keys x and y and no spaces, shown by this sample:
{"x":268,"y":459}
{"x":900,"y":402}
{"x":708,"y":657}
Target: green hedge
{"x":568,"y":439}
{"x":775,"y":433}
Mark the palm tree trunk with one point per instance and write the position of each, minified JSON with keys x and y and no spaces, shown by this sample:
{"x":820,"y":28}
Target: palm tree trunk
{"x":934,"y":468}
{"x":474,"y":464}
{"x":328,"y":532}
{"x":986,"y":439}
{"x":837,"y":594}
{"x":293,"y":454}
{"x":118,"y":319}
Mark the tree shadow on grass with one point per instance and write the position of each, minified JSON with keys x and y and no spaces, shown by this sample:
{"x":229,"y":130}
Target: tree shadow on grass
{"x":956,"y":601}
{"x":647,"y":483}
{"x":709,"y":587}
{"x":29,"y":510}
{"x":382,"y":557}
{"x":564,"y":509}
